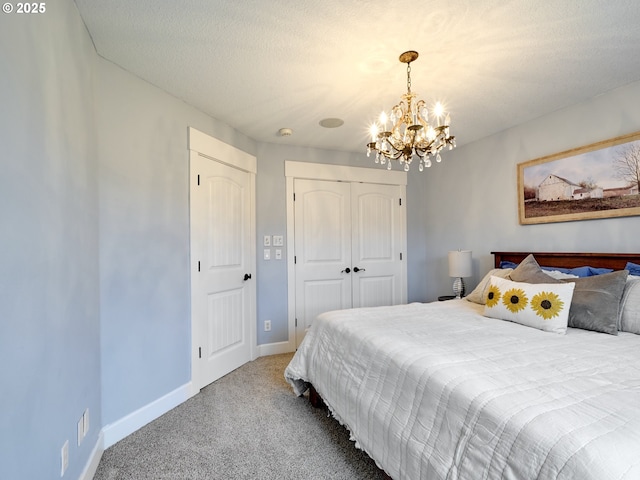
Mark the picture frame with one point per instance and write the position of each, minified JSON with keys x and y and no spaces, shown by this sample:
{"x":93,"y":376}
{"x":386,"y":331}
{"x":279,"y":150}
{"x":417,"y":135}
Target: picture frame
{"x":599,"y":180}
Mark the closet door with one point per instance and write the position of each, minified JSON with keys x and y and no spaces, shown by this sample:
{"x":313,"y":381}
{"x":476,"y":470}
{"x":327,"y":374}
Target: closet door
{"x":376,"y":236}
{"x":322,"y":211}
{"x":348,"y":247}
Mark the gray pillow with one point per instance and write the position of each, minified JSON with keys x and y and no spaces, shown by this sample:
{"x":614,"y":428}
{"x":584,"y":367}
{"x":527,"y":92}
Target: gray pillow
{"x":596,"y":301}
{"x":479,"y":294}
{"x":530,"y":272}
{"x":630,"y":307}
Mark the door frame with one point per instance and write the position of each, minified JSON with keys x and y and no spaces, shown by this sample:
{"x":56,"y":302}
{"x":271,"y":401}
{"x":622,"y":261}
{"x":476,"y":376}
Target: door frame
{"x":203,"y":145}
{"x":338,"y":173}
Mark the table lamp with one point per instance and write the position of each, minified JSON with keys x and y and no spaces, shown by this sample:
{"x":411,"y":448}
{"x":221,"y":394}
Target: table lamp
{"x":459,"y":267}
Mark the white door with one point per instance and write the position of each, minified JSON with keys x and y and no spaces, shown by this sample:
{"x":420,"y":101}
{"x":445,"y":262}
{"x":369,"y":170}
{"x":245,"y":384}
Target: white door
{"x":348,"y":247}
{"x":222,"y":291}
{"x":376,"y":233}
{"x":322,"y":216}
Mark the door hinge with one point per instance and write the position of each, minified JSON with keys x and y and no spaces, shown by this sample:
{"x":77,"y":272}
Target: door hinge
{"x":294,"y":197}
{"x":199,"y":352}
{"x":296,"y":322}
{"x":295,"y":259}
{"x":400,"y":255}
{"x":198,"y":179}
{"x":400,"y":200}
{"x":198,"y":265}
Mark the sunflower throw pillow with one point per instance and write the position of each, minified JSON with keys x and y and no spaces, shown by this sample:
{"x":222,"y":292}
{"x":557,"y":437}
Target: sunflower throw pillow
{"x":544,"y":306}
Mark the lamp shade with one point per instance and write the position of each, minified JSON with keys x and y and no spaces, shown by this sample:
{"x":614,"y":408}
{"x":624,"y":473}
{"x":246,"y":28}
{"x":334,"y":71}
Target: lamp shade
{"x":460,"y":263}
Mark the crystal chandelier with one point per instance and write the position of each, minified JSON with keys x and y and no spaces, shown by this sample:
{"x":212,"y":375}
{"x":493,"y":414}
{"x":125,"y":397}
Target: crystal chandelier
{"x":411,"y":133}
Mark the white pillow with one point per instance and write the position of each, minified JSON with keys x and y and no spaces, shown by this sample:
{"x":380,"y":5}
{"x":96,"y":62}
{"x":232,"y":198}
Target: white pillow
{"x":630,"y":307}
{"x":544,"y":306}
{"x":479,"y":294}
{"x":558,"y":275}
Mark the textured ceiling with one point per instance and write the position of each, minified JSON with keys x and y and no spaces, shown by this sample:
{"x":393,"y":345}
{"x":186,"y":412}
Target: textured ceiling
{"x":260,"y":65}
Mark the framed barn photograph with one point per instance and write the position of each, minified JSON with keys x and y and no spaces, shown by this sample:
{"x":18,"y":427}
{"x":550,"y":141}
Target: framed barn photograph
{"x":600,"y":180}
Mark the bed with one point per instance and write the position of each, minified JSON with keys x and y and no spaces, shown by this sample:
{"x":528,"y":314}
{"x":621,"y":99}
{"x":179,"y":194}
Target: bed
{"x":442,"y":391}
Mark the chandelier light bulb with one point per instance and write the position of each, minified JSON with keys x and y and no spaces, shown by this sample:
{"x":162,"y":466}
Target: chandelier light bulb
{"x":438,"y":110}
{"x":383,"y":120}
{"x":373,"y":130}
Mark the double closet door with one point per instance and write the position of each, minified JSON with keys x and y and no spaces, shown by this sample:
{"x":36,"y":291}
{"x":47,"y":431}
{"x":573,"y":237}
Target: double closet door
{"x":349,"y":240}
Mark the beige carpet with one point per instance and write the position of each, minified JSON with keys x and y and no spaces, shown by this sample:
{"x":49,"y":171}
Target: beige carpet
{"x":247,"y":425}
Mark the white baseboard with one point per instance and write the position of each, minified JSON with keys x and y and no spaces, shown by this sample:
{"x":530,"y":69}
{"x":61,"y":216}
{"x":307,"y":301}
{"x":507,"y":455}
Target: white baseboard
{"x":91,"y":467}
{"x":114,"y":432}
{"x":275,"y":348}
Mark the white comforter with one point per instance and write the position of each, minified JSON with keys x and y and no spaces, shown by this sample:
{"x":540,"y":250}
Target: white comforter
{"x":437,"y":391}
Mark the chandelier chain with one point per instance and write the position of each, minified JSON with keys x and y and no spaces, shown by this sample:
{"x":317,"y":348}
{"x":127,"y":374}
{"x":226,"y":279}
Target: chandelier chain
{"x":409,"y":77}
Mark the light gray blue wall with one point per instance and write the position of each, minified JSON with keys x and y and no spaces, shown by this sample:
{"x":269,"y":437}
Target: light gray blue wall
{"x":417,"y":231}
{"x":94,"y":199}
{"x":144,"y":238}
{"x":471,"y":198}
{"x":271,"y":216}
{"x":49,"y":317}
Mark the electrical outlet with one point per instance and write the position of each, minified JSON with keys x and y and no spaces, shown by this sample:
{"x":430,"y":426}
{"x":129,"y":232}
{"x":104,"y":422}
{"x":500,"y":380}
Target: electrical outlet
{"x":267,"y":325}
{"x":64,"y":458}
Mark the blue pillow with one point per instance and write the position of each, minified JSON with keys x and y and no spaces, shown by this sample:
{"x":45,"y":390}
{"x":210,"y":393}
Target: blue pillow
{"x":578,"y":271}
{"x":589,"y":271}
{"x":506,"y":264}
{"x":634,"y":268}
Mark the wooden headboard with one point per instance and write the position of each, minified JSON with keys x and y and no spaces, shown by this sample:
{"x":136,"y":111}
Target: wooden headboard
{"x":616,"y":261}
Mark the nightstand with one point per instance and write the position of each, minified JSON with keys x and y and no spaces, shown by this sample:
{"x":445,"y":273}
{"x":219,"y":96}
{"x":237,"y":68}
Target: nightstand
{"x":446,"y":297}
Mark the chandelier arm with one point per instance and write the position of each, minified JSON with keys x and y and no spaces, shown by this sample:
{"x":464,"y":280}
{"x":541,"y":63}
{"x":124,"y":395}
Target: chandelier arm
{"x":422,"y":152}
{"x":394,"y":155}
{"x":378,"y":146}
{"x":394,"y":142}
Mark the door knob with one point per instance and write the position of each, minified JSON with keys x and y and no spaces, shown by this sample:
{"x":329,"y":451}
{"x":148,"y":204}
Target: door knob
{"x":247,"y":276}
{"x":356,"y":269}
{"x":346,"y":270}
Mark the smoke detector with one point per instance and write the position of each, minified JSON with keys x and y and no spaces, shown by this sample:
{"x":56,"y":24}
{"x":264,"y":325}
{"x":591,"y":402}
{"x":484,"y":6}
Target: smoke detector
{"x":285,"y":132}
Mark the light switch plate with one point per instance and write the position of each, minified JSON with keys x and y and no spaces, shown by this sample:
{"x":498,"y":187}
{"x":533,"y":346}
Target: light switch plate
{"x":80,"y":430}
{"x":267,"y":241}
{"x":278,"y":254}
{"x":267,"y":254}
{"x":85,"y":422}
{"x":278,"y":240}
